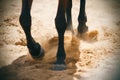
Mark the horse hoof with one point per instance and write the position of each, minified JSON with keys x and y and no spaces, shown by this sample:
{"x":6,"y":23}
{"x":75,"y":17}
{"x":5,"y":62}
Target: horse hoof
{"x":82,"y":28}
{"x":36,"y":51}
{"x":59,"y":67}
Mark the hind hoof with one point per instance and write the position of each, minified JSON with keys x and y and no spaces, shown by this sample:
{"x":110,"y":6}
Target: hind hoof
{"x":82,"y":28}
{"x":59,"y":67}
{"x":36,"y":51}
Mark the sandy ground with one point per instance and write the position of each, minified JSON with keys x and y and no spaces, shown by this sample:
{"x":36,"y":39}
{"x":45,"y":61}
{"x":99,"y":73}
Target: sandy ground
{"x":99,"y":57}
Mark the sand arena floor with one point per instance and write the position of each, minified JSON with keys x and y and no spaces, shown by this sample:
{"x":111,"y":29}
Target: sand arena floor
{"x":98,"y":51}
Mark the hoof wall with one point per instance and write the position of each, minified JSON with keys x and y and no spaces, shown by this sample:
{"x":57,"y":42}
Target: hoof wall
{"x":36,"y":52}
{"x":59,"y":67}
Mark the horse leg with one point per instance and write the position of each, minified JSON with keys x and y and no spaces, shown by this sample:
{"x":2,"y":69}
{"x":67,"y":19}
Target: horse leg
{"x":34,"y":48}
{"x":82,"y":18}
{"x":69,"y":16}
{"x":61,"y":25}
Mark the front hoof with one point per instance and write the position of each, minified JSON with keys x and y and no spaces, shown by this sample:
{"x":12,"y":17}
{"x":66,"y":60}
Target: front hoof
{"x":59,"y":67}
{"x":36,"y":51}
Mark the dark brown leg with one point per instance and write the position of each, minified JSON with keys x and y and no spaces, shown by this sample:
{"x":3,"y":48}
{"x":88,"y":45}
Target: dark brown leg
{"x":82,"y":18}
{"x":69,"y":16}
{"x":61,"y":26}
{"x":25,"y":20}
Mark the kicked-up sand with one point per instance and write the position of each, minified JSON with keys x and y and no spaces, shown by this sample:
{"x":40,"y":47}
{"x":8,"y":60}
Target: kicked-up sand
{"x":94,"y":55}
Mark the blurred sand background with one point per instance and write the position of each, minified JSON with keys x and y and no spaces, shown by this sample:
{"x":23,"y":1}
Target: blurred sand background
{"x":98,"y":60}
